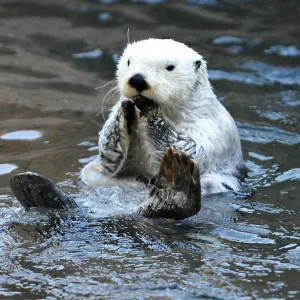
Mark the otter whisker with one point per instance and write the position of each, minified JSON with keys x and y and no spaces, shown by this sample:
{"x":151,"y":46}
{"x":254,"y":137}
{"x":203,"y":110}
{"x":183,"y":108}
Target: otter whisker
{"x":105,"y":84}
{"x":128,"y":36}
{"x":111,"y":92}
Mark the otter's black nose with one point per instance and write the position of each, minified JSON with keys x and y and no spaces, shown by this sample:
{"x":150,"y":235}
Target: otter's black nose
{"x":138,"y":82}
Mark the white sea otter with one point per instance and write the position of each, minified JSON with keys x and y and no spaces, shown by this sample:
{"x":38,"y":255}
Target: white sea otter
{"x":168,"y":123}
{"x":191,"y":119}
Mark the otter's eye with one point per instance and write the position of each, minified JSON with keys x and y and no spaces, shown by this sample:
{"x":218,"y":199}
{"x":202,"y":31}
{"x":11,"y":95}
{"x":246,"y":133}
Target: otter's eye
{"x":170,"y":68}
{"x":128,"y":62}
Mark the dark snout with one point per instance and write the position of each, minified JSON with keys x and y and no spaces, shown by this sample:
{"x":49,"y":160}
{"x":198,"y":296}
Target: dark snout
{"x":138,"y":82}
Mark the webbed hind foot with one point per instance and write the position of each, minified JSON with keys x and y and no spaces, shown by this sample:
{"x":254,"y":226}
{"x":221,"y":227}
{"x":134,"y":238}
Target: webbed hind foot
{"x":34,"y":190}
{"x":176,"y":193}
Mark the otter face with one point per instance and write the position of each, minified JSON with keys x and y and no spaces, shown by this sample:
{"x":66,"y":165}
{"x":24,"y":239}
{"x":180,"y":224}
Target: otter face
{"x":165,"y":71}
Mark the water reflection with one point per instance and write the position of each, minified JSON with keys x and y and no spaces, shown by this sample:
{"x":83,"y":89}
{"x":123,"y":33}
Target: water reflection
{"x":27,"y":135}
{"x":7,"y":168}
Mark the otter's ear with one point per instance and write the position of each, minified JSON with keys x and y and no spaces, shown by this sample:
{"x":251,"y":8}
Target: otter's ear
{"x":197,"y":64}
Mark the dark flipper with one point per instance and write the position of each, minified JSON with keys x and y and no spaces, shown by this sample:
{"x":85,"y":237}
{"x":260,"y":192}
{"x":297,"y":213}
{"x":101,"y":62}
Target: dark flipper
{"x":176,"y":193}
{"x":34,"y":190}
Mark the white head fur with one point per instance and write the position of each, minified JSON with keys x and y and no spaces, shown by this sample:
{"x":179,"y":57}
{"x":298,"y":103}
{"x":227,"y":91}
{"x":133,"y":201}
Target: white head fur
{"x":173,"y":71}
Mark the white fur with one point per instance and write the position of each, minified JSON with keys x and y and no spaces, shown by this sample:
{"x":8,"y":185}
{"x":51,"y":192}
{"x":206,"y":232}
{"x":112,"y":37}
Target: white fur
{"x":188,"y":101}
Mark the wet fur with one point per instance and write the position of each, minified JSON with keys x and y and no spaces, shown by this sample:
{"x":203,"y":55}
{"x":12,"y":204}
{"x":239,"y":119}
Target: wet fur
{"x":187,"y":103}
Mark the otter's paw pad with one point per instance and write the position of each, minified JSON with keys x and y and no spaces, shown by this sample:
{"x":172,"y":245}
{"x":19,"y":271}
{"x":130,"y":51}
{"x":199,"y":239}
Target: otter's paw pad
{"x":128,"y":112}
{"x":176,"y":192}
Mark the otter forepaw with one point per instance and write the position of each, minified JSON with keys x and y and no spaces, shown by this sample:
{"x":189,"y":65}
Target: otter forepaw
{"x":144,"y":104}
{"x":129,"y":114}
{"x":176,"y":193}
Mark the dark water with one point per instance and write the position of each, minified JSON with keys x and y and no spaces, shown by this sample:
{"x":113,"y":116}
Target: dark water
{"x":52,"y":56}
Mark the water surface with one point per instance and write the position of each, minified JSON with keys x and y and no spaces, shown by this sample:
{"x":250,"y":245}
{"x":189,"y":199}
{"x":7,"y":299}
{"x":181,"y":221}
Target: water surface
{"x":52,"y":57}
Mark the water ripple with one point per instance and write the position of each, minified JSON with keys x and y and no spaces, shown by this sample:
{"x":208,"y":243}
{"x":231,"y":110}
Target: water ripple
{"x":285,"y":51}
{"x":236,"y":76}
{"x":241,"y":237}
{"x":272,"y":74}
{"x":293,"y":174}
{"x":90,"y":54}
{"x":264,"y":135}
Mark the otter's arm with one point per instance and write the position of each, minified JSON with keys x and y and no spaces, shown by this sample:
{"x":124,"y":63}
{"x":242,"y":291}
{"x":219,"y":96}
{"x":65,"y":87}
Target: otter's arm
{"x":116,"y":136}
{"x":164,"y":134}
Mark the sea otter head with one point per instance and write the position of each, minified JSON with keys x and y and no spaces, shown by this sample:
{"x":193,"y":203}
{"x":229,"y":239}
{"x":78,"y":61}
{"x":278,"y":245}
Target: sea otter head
{"x":165,"y":71}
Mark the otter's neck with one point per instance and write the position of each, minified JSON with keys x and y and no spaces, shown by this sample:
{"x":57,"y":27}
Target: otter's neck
{"x":200,"y":103}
